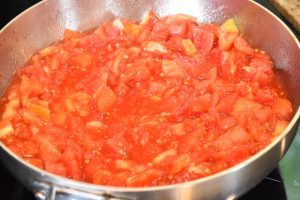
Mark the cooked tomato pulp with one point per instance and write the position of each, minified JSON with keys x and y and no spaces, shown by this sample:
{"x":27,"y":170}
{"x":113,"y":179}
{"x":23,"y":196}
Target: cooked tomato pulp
{"x":158,"y":102}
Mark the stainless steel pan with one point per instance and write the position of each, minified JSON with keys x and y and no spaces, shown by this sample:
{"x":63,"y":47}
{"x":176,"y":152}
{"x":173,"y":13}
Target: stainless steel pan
{"x":45,"y":22}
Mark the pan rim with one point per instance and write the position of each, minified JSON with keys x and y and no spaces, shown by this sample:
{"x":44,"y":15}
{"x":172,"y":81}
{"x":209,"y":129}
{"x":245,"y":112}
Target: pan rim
{"x":95,"y":187}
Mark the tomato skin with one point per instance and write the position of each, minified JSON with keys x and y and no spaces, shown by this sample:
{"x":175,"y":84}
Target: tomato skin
{"x":163,"y":101}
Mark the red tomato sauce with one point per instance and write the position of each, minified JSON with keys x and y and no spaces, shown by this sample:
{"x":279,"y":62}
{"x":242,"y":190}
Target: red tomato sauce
{"x":158,"y":102}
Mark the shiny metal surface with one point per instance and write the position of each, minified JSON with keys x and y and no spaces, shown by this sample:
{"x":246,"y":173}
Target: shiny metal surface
{"x":44,"y":24}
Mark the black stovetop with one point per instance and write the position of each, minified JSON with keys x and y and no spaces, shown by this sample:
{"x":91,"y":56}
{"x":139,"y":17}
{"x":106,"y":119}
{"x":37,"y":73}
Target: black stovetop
{"x":271,"y":187}
{"x":281,"y":184}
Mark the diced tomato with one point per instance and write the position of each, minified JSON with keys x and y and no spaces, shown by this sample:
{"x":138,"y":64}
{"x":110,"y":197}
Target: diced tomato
{"x":144,"y":178}
{"x":111,"y":31}
{"x":78,"y":102}
{"x":228,"y":32}
{"x":156,"y":87}
{"x":238,"y":135}
{"x":36,"y":162}
{"x":94,"y":125}
{"x":226,"y":40}
{"x":106,"y":98}
{"x":71,"y":158}
{"x":229,"y":26}
{"x":262,"y":62}
{"x":102,"y":176}
{"x":59,"y":59}
{"x":145,"y":33}
{"x":138,"y":73}
{"x":282,"y":107}
{"x":241,"y":45}
{"x":49,"y":51}
{"x":178,"y":29}
{"x":179,"y":18}
{"x":117,"y":23}
{"x":148,"y":19}
{"x":83,"y":60}
{"x":258,"y":131}
{"x":228,"y":69}
{"x":124,"y":164}
{"x":48,"y":151}
{"x":40,"y":111}
{"x":175,"y":43}
{"x":235,"y":136}
{"x":280,"y":126}
{"x":201,"y":103}
{"x":160,"y":31}
{"x":203,"y":39}
{"x":189,"y":47}
{"x":56,"y":168}
{"x":192,"y":140}
{"x":69,"y":34}
{"x":180,"y":163}
{"x":200,"y":169}
{"x":171,"y":69}
{"x":101,"y":33}
{"x":164,"y":155}
{"x":132,"y":30}
{"x":226,"y":104}
{"x":264,"y":114}
{"x":245,"y":104}
{"x":193,"y":68}
{"x":178,"y":129}
{"x":264,"y":96}
{"x":29,"y":86}
{"x":227,"y":123}
{"x":121,"y":89}
{"x":92,"y":166}
{"x":5,"y":128}
{"x":11,"y":108}
{"x":154,"y":47}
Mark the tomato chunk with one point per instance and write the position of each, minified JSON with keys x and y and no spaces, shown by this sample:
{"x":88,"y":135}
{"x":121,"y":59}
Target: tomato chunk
{"x":106,"y":98}
{"x":203,"y":39}
{"x":282,"y":107}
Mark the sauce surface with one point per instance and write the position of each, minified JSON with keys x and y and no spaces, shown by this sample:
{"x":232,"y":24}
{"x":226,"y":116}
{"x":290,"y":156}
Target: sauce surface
{"x":158,"y":102}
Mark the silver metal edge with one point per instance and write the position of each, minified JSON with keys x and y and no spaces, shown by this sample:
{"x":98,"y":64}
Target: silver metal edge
{"x":293,"y":122}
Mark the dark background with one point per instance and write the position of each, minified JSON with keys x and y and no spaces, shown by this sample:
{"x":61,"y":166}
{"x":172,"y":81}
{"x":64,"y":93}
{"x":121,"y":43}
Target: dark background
{"x":10,"y":8}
